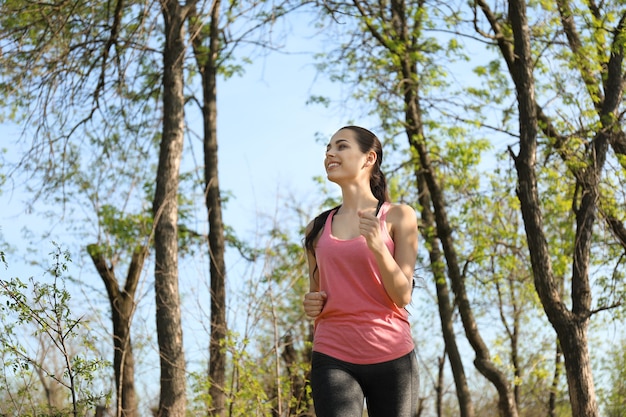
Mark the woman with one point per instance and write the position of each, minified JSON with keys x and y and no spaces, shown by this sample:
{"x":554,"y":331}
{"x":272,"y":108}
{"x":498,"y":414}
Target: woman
{"x":361,"y":256}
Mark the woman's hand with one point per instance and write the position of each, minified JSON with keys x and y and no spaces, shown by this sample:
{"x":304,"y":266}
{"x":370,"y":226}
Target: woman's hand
{"x":314,"y":303}
{"x":369,"y":226}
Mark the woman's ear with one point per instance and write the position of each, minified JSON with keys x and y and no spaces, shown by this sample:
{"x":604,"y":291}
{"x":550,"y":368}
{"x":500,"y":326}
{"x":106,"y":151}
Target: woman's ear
{"x":371,"y":158}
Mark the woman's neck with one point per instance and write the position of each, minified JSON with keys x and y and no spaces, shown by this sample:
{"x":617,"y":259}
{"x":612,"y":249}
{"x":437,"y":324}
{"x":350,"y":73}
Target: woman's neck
{"x":356,"y":199}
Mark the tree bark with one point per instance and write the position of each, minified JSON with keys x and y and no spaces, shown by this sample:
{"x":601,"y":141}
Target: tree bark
{"x":571,"y":326}
{"x":172,"y":400}
{"x":578,"y":369}
{"x":207,"y":61}
{"x":446,"y":307}
{"x":123,"y":304}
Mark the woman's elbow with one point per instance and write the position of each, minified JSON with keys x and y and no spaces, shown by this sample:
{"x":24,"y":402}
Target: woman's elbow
{"x":403,"y":300}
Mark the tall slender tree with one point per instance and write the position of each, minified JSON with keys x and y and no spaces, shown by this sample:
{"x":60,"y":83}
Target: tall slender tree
{"x":213,"y":50}
{"x":207,"y":46}
{"x":172,"y":401}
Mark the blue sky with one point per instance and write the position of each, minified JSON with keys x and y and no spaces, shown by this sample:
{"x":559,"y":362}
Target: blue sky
{"x":267,"y":132}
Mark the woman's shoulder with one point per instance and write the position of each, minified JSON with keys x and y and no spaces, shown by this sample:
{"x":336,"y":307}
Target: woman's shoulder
{"x":402,"y":215}
{"x":401,"y":210}
{"x":314,"y":227}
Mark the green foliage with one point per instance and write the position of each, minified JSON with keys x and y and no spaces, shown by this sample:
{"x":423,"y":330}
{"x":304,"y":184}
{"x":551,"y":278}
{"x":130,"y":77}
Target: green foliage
{"x":125,"y":230}
{"x":247,"y":394}
{"x":613,"y":396}
{"x":40,"y":336}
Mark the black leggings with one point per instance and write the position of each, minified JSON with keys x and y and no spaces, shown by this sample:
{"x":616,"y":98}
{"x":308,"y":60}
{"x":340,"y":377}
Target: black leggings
{"x":390,"y":389}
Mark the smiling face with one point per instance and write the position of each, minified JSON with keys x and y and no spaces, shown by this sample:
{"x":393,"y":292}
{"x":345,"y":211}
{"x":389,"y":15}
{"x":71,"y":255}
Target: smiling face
{"x":345,"y":159}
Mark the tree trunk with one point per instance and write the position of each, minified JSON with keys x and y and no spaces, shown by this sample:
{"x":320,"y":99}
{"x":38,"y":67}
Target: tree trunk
{"x":578,"y":369}
{"x":122,"y":303}
{"x":172,"y":400}
{"x":207,"y":61}
{"x":570,"y":326}
{"x":428,"y":228}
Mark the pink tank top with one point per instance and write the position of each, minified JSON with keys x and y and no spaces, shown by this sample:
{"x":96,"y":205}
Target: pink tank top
{"x":359,"y":323}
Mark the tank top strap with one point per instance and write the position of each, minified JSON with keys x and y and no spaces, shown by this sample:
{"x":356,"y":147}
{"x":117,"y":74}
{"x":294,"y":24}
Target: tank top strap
{"x":329,"y":220}
{"x":384,"y":209}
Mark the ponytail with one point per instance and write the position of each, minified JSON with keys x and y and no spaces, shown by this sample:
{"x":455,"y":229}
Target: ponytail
{"x":378,"y":184}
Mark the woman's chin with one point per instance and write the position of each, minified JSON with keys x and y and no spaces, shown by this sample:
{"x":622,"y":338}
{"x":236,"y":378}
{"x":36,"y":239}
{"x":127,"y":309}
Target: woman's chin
{"x":331,"y":177}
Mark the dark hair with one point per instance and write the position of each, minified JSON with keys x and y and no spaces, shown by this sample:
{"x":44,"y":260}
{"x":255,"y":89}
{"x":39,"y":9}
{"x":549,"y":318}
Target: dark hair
{"x":367,"y":141}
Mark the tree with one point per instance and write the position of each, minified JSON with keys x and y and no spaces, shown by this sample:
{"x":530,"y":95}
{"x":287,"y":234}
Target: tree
{"x":206,"y":46}
{"x":214,"y":43}
{"x":172,"y":401}
{"x":122,"y":301}
{"x":597,"y":66}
